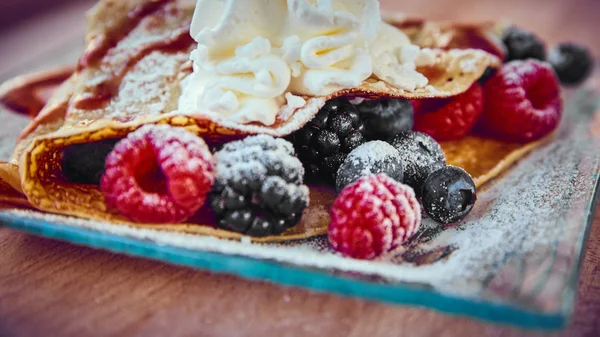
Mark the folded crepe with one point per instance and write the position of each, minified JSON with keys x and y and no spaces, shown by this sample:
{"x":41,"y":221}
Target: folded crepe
{"x":136,"y":55}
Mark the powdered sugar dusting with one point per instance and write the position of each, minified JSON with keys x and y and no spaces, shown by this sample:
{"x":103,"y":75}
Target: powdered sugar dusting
{"x":368,"y":159}
{"x":534,"y":214}
{"x":12,"y":124}
{"x":257,"y":159}
{"x":144,"y":90}
{"x":371,"y":153}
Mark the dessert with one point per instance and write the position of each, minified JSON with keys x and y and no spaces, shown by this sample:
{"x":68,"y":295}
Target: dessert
{"x":373,"y":216}
{"x":293,"y":98}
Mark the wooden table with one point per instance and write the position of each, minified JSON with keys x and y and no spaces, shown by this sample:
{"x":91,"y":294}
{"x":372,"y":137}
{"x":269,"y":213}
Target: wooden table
{"x":50,"y":288}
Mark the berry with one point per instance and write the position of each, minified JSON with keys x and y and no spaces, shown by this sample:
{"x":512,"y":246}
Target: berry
{"x":521,"y":45}
{"x":84,"y":163}
{"x":449,"y":194}
{"x":258,"y":189}
{"x":383,"y":119}
{"x":572,"y":63}
{"x":450,"y":118}
{"x":522,"y":102}
{"x":158,"y":174}
{"x":324,"y":142}
{"x":487,"y":74}
{"x":371,"y":158}
{"x":420,"y":155}
{"x":373,"y":216}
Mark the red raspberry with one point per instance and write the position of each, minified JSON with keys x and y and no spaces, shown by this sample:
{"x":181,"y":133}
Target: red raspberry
{"x":449,"y":118}
{"x":373,"y":216}
{"x":523,"y":101}
{"x":158,"y":174}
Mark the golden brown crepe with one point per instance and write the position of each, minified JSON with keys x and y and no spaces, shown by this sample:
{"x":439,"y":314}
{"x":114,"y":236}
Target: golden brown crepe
{"x":136,"y":55}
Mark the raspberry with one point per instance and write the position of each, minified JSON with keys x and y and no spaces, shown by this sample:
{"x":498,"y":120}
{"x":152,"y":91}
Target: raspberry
{"x":522,"y":101}
{"x":449,"y":118}
{"x":158,"y":174}
{"x":372,"y":217}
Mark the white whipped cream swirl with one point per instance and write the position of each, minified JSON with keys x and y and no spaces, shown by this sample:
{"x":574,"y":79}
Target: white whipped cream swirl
{"x":254,"y":56}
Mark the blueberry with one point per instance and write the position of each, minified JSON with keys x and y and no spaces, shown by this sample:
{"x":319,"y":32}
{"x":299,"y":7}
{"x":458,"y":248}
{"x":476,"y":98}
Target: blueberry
{"x":487,"y":74}
{"x":521,"y":45}
{"x":369,"y":159}
{"x":84,"y":163}
{"x":383,"y":119}
{"x":420,"y":154}
{"x":448,"y":194}
{"x":571,"y":62}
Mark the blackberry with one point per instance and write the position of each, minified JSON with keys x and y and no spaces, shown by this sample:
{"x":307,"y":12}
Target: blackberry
{"x":84,"y":163}
{"x":258,"y":188}
{"x":571,"y":62}
{"x":386,"y":118}
{"x":421,"y":156}
{"x":371,"y":158}
{"x":449,"y":194}
{"x":521,"y":45}
{"x":324,"y":142}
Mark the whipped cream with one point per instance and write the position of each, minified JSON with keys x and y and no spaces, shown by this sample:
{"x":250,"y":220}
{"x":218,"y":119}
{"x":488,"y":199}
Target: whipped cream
{"x":256,"y":56}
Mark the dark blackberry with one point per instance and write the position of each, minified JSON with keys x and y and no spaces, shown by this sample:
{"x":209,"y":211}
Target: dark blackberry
{"x":449,"y":194}
{"x":370,"y":158}
{"x":324,"y":142}
{"x":84,"y":163}
{"x":521,"y":45}
{"x":421,"y":155}
{"x":258,"y":188}
{"x":386,"y":118}
{"x":571,"y":62}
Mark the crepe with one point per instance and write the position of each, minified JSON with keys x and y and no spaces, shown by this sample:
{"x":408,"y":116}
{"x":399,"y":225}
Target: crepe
{"x":137,"y":54}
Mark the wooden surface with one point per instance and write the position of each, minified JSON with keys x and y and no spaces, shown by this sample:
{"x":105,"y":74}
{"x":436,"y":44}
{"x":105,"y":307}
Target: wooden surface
{"x":49,"y":288}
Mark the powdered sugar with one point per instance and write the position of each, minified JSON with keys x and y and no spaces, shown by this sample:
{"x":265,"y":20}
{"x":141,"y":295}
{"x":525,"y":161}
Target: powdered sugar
{"x":370,"y":158}
{"x":293,"y":103}
{"x":372,"y":152}
{"x":12,"y":124}
{"x":261,"y":159}
{"x":532,"y":214}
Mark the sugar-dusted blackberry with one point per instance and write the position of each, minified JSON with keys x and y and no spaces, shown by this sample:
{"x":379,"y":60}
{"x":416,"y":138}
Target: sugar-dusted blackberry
{"x":522,"y":45}
{"x":572,"y":63}
{"x":259,"y":188}
{"x":449,"y":194}
{"x":324,"y":142}
{"x":383,"y":119}
{"x":84,"y":163}
{"x":421,"y":156}
{"x":371,"y":158}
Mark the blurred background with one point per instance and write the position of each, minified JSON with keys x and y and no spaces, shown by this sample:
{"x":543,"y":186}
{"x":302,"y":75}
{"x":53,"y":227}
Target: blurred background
{"x":32,"y":32}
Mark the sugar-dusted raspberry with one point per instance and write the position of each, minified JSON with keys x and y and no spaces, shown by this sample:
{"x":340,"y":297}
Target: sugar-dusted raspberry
{"x":449,"y":118}
{"x":522,"y":101}
{"x":158,"y":174}
{"x":373,"y":216}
